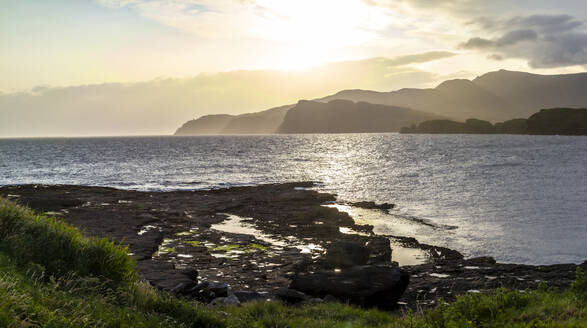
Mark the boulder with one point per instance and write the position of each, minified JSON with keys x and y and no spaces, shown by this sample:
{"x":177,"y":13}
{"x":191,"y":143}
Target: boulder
{"x":205,"y":290}
{"x":480,"y":261}
{"x":245,"y":296}
{"x":220,"y":289}
{"x":301,"y":265}
{"x":228,"y":300}
{"x":344,"y":254}
{"x":367,"y":285}
{"x":379,"y":250}
{"x":183,"y":288}
{"x":291,"y":296}
{"x":190,"y":273}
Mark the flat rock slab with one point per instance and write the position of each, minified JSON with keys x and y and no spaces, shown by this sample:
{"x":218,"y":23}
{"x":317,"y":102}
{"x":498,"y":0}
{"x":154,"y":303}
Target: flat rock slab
{"x":169,"y":232}
{"x":366,"y":285}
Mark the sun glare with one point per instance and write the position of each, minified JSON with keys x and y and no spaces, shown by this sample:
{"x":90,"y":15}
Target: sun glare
{"x":315,"y":31}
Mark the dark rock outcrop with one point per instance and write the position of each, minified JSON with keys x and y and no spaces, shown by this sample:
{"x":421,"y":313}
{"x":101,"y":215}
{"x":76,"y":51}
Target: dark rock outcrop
{"x":291,"y":296}
{"x":368,"y":285}
{"x":184,"y":218}
{"x":345,"y":254}
{"x":373,"y":205}
{"x":379,"y":251}
{"x":245,"y":296}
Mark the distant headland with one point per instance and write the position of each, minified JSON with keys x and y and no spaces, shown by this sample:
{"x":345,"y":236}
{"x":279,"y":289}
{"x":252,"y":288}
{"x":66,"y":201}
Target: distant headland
{"x":501,"y":96}
{"x":554,"y":121}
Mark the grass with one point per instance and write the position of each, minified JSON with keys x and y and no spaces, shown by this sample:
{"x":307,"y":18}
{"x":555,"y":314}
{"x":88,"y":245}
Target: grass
{"x":75,"y":281}
{"x":238,"y":247}
{"x":58,"y":247}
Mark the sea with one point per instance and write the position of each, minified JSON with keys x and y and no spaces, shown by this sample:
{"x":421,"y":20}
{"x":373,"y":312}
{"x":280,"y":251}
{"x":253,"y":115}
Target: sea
{"x":520,"y":199}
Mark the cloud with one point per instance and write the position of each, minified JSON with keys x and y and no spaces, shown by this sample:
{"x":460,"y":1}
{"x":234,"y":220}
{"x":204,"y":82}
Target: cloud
{"x":545,"y":41}
{"x":420,"y":58}
{"x":509,"y":39}
{"x":160,"y":106}
{"x":547,"y":24}
{"x":262,"y":19}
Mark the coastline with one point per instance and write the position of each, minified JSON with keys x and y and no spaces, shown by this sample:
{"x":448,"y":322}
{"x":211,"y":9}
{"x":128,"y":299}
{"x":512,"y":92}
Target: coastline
{"x":171,"y":233}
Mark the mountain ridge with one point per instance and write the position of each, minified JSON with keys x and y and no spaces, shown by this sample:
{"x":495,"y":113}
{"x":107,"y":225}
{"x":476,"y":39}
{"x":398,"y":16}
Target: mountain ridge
{"x":494,"y":96}
{"x":345,"y":116}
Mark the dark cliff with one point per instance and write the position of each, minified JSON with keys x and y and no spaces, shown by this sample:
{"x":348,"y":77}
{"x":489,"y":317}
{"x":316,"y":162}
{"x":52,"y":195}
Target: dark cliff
{"x":343,"y":116}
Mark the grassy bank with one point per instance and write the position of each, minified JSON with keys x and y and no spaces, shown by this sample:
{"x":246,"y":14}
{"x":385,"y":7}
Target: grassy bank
{"x":53,"y":276}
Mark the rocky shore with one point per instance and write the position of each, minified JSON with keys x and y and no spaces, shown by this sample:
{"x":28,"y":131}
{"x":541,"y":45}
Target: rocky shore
{"x":274,"y":241}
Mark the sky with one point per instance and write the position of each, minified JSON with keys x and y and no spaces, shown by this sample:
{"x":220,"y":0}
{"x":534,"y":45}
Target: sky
{"x":120,"y":67}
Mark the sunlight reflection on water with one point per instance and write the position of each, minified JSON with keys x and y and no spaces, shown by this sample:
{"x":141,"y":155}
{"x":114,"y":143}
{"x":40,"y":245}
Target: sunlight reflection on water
{"x":517,"y":198}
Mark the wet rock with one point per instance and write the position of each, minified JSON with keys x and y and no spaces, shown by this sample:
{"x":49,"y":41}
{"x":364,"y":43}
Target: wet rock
{"x":368,"y":285}
{"x":228,"y":300}
{"x":206,"y":291}
{"x":373,"y":205}
{"x":245,"y":296}
{"x":98,"y":212}
{"x":290,"y":296}
{"x":190,"y":273}
{"x":442,"y":253}
{"x":480,"y":261}
{"x":300,"y":265}
{"x":147,"y":244}
{"x":53,"y":204}
{"x":379,"y":250}
{"x":162,"y":275}
{"x":344,"y":254}
{"x":182,"y":288}
{"x":220,"y":289}
{"x":313,"y":301}
{"x":330,"y":299}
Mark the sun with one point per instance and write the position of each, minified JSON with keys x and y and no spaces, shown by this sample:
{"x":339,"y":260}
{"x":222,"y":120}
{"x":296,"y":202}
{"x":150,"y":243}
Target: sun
{"x":314,"y":32}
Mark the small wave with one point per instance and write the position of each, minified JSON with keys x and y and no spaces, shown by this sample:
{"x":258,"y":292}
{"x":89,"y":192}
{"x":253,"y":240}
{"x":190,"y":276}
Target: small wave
{"x":495,"y":165}
{"x":409,"y":175}
{"x":423,"y":221}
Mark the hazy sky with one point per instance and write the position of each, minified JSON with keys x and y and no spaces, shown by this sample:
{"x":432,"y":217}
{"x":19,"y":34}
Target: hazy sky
{"x":145,"y":66}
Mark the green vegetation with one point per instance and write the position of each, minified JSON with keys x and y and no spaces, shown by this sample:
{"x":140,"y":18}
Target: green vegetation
{"x":52,"y":288}
{"x":58,"y":247}
{"x":166,"y":250}
{"x":238,"y":247}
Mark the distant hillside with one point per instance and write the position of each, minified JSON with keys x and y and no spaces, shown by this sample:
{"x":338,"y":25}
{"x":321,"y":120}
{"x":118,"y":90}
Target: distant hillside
{"x":554,"y":121}
{"x":264,"y":122}
{"x":530,"y":92}
{"x":495,"y":96}
{"x":344,"y":116}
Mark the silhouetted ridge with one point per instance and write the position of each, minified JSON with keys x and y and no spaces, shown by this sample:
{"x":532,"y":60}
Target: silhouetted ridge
{"x":253,"y":123}
{"x":495,"y":97}
{"x":561,"y":121}
{"x":554,"y":121}
{"x":459,"y":99}
{"x":344,"y":116}
{"x":528,"y":92}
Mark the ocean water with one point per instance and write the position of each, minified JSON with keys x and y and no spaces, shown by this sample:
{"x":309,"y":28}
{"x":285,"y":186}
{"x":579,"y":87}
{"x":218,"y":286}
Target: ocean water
{"x":520,"y":199}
